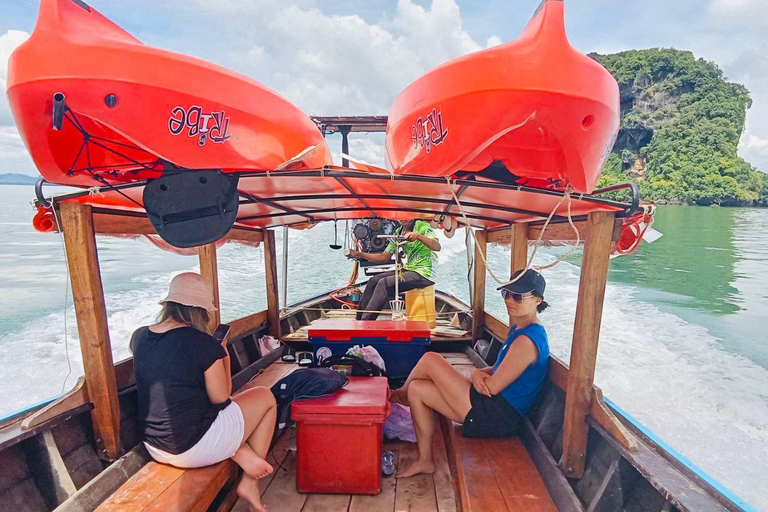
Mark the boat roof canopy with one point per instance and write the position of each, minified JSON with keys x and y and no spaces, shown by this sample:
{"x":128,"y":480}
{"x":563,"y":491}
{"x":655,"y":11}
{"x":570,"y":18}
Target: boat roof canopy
{"x":301,"y":199}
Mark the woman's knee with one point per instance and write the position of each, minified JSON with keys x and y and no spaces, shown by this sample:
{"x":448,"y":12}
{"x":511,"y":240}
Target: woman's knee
{"x":417,"y":389}
{"x":432,"y":359}
{"x":259,"y":395}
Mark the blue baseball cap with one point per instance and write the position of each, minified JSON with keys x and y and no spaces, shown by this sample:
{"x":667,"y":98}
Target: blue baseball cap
{"x":531,"y":281}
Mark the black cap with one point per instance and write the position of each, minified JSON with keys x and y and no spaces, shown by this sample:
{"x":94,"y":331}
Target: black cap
{"x":531,"y":281}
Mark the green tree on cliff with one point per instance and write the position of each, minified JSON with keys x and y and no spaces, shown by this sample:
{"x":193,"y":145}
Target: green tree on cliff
{"x":680,"y":127}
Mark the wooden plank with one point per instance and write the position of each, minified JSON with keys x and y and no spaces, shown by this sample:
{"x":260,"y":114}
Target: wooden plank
{"x":88,"y":295}
{"x":385,"y":500}
{"x":273,"y":300}
{"x":605,"y":417}
{"x":281,"y":493}
{"x":586,"y":332}
{"x":477,"y":484}
{"x":225,"y":503}
{"x":270,"y":375}
{"x":13,"y":467}
{"x":243,"y":377}
{"x":558,"y":372}
{"x":682,"y":489}
{"x":24,"y":496}
{"x":51,"y":470}
{"x":125,"y":374}
{"x":209,"y":269}
{"x":517,"y":476}
{"x":100,"y":488}
{"x":327,"y":503}
{"x":496,"y":327}
{"x":609,"y":495}
{"x":74,"y":398}
{"x":416,"y":493}
{"x":556,"y":233}
{"x":84,"y":465}
{"x":559,"y":233}
{"x":117,"y":224}
{"x":195,"y":489}
{"x":501,"y":235}
{"x":12,"y":434}
{"x":559,"y":488}
{"x":138,"y":492}
{"x":478,"y":295}
{"x":519,"y":243}
{"x":247,"y":324}
{"x":445,"y":487}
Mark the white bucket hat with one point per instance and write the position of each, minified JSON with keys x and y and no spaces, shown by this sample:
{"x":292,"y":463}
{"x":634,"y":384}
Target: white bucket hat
{"x":190,"y":289}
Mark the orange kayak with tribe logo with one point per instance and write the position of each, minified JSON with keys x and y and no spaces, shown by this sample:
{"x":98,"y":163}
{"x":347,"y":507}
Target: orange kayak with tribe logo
{"x":534,"y":111}
{"x":95,"y":106}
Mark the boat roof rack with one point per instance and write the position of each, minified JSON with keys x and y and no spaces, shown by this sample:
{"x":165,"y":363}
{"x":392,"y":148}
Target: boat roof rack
{"x":336,"y":124}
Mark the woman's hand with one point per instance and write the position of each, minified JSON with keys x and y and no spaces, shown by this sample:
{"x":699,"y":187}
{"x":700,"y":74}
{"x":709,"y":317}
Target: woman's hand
{"x":353,"y":254}
{"x":412,"y":236}
{"x":480,"y":382}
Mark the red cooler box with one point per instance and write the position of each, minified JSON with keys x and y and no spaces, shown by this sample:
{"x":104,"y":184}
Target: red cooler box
{"x":339,"y":438}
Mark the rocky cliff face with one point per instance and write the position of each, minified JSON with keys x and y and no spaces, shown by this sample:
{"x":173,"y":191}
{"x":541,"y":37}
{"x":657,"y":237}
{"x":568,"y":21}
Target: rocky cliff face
{"x":680,"y":127}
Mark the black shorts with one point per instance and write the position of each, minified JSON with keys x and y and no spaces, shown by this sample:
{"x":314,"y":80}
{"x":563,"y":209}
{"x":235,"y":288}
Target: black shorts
{"x":491,"y":416}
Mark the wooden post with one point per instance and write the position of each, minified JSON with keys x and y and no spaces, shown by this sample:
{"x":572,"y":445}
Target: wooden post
{"x":519,"y":250}
{"x":88,"y":295}
{"x":209,"y":269}
{"x":273,"y":300}
{"x":586,"y":332}
{"x":478,"y":295}
{"x":519,"y":247}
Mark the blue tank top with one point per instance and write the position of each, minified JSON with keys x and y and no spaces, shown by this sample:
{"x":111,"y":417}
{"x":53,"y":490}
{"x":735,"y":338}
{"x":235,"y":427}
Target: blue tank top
{"x":522,"y":392}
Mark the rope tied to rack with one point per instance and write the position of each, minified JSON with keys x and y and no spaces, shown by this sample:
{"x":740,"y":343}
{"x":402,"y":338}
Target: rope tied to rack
{"x":566,"y":197}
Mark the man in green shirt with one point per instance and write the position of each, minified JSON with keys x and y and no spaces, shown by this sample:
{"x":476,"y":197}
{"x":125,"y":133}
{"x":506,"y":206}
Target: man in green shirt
{"x":419,"y":252}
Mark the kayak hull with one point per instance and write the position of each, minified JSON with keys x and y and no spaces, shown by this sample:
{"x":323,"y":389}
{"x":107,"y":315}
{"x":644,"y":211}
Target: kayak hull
{"x":142,"y":108}
{"x":545,"y":111}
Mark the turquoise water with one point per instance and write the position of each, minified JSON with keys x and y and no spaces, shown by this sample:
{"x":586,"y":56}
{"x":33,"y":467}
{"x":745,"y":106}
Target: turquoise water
{"x":683,"y":346}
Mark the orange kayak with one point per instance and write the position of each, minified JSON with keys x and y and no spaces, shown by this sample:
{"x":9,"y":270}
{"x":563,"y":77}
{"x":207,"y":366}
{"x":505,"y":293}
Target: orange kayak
{"x":534,"y":111}
{"x":94,"y":105}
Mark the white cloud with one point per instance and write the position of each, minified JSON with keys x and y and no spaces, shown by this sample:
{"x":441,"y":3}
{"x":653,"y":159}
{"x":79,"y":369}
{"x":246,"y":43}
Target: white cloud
{"x":8,"y":42}
{"x":13,"y":154}
{"x":336,"y":65}
{"x":493,"y":41}
{"x":751,"y":69}
{"x":738,"y":13}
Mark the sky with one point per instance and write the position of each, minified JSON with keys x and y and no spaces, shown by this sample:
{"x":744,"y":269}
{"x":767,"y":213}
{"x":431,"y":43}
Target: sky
{"x":342,"y":57}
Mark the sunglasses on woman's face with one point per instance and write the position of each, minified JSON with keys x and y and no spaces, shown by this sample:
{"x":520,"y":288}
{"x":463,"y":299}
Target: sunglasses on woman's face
{"x":517,"y":297}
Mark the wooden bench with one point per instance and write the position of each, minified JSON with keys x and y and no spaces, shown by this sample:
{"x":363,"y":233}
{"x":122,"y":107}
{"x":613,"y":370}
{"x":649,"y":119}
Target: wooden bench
{"x":158,"y":487}
{"x":492,"y":474}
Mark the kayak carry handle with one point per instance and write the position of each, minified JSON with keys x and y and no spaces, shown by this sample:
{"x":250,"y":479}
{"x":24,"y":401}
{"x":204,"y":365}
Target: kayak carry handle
{"x":59,"y":107}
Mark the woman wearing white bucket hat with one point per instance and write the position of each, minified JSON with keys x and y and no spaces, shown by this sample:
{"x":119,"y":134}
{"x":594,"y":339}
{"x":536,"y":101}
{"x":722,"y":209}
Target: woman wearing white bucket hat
{"x":186,"y":415}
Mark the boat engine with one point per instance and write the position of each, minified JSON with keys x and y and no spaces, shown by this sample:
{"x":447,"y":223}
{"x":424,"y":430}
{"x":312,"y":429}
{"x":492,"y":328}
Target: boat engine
{"x":365,"y":232}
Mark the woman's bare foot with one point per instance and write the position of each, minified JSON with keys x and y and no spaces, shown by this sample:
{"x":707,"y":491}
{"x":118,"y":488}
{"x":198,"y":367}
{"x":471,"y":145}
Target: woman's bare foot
{"x":248,"y":490}
{"x":417,"y":468}
{"x":254,"y":466}
{"x":399,"y":396}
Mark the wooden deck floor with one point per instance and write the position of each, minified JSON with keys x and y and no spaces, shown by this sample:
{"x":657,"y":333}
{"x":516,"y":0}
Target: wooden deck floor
{"x":495,"y":475}
{"x":427,"y":493}
{"x":423,"y":493}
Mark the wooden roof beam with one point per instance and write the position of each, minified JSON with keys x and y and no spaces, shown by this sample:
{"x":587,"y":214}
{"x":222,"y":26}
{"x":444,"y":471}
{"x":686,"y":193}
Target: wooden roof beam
{"x":118,"y":223}
{"x":561,"y":232}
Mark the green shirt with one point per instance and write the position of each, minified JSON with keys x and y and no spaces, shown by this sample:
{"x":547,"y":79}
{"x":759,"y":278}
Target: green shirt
{"x":419,"y":257}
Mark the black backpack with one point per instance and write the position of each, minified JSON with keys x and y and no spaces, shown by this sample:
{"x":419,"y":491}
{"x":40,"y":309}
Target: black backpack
{"x":304,"y":383}
{"x":359,"y":366}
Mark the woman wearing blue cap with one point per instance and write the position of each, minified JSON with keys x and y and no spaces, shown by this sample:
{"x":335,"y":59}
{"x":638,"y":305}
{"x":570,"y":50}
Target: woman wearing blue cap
{"x":492,"y":403}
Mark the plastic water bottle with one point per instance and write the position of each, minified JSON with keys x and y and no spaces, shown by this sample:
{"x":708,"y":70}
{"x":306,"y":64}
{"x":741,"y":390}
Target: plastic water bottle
{"x":388,"y":463}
